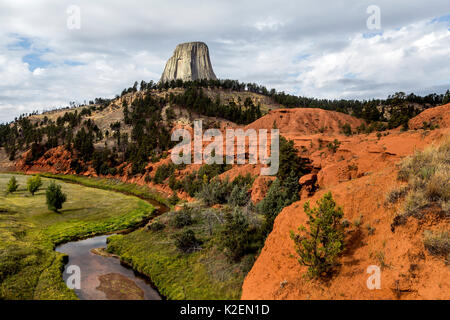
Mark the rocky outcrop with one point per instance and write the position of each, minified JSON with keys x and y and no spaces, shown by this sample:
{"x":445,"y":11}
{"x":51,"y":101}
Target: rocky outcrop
{"x":190,"y":61}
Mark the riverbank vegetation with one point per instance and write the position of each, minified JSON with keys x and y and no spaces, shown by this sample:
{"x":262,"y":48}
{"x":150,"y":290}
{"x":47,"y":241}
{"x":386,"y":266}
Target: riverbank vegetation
{"x":133,"y":189}
{"x":205,"y":250}
{"x":29,"y":232}
{"x":185,"y":256}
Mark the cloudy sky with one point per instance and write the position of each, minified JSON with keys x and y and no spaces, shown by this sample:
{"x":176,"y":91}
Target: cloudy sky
{"x":321,"y":49}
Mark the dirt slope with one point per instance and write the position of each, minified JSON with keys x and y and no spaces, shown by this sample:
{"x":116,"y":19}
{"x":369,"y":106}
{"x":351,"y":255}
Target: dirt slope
{"x":305,"y":121}
{"x":436,"y":116}
{"x":410,"y":272}
{"x":359,"y":174}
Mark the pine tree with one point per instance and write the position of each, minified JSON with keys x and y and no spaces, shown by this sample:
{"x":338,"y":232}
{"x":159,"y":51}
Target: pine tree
{"x":289,"y":160}
{"x":12,"y":185}
{"x":320,"y":244}
{"x":33,"y":184}
{"x":55,"y":197}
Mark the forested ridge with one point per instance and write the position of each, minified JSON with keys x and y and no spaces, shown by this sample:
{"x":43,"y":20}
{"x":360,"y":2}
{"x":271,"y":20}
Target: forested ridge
{"x":150,"y":139}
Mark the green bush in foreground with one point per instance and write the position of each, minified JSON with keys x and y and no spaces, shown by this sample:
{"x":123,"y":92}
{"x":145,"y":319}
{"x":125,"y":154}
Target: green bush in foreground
{"x":182,"y":218}
{"x":33,"y":184}
{"x":186,"y":241}
{"x":319,"y":246}
{"x":156,"y":226}
{"x":238,"y":237}
{"x":12,"y":185}
{"x":55,"y":197}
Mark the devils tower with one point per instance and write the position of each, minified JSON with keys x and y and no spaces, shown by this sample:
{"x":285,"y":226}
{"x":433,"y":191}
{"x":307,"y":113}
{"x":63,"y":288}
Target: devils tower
{"x":190,"y":61}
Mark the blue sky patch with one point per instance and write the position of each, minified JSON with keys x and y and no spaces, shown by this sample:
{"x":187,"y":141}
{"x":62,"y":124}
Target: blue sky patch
{"x":445,"y":18}
{"x":33,"y":55}
{"x":73,"y":63}
{"x":372,"y":34}
{"x":301,"y":57}
{"x":349,"y":75}
{"x":22,"y":43}
{"x":34,"y":61}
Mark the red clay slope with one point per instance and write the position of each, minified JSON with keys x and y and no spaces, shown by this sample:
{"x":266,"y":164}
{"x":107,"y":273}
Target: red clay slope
{"x":437,"y":116}
{"x":359,"y":175}
{"x":305,"y":121}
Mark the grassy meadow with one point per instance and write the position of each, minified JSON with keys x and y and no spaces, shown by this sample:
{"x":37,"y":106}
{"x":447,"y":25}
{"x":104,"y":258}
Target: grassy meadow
{"x":203,"y":274}
{"x":29,"y":232}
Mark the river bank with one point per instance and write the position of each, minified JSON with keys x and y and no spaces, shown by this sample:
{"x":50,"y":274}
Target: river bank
{"x":29,"y":233}
{"x":102,"y":276}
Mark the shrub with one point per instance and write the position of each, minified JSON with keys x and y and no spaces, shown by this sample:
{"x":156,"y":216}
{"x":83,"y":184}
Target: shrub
{"x":239,"y":196}
{"x":428,"y":177}
{"x":156,"y":226}
{"x":33,"y":184}
{"x":243,"y":181}
{"x":237,"y":237}
{"x":289,"y":160}
{"x":274,"y":201}
{"x":12,"y":185}
{"x":55,"y":197}
{"x":396,"y":194}
{"x":174,"y":199}
{"x":194,"y":182}
{"x":347,"y":129}
{"x":215,"y":192}
{"x":182,"y":218}
{"x":174,"y":184}
{"x":75,"y":164}
{"x":219,"y":191}
{"x":186,"y":241}
{"x":163,"y":172}
{"x":319,"y":246}
{"x":279,"y":195}
{"x":437,"y":243}
{"x":438,"y":185}
{"x":333,"y":146}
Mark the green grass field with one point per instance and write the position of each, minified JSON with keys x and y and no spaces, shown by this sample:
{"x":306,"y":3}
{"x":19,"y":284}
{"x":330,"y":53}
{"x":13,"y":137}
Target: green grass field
{"x":29,"y":266}
{"x":143,"y":192}
{"x":205,"y":274}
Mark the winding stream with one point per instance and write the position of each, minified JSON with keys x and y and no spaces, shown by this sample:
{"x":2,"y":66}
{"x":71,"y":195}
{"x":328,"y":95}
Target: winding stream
{"x":104,"y":277}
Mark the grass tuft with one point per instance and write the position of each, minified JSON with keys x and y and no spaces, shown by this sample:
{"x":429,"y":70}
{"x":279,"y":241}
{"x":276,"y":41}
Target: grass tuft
{"x":428,"y":176}
{"x":437,"y":243}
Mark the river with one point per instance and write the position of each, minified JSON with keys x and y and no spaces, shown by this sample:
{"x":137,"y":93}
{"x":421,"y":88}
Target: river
{"x":103,"y":277}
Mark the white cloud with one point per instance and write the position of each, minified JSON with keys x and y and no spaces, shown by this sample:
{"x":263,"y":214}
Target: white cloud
{"x":409,"y":59}
{"x":309,"y":47}
{"x":268,"y":24}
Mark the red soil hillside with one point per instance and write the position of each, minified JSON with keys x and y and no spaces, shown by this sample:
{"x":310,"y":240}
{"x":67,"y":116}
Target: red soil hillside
{"x":436,"y":116}
{"x":360,"y":155}
{"x":305,"y":121}
{"x":355,"y":157}
{"x":359,"y":174}
{"x":409,"y":272}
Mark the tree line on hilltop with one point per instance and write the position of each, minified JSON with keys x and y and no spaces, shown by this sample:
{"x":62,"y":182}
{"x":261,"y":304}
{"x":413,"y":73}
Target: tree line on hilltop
{"x":149,"y":138}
